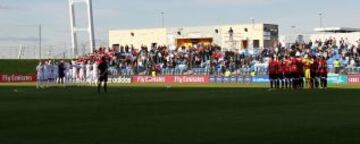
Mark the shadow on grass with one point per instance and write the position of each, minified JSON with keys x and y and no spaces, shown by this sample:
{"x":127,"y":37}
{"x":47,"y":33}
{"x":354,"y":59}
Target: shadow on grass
{"x":176,"y":90}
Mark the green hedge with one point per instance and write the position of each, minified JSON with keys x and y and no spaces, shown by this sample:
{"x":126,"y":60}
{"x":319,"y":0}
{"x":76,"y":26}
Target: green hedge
{"x":18,"y":66}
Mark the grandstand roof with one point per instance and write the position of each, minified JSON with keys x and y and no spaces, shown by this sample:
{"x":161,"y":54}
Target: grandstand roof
{"x":337,"y":29}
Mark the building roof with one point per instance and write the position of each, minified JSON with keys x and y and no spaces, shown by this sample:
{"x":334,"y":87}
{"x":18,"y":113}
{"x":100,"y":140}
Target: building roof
{"x":193,"y":27}
{"x":337,"y":29}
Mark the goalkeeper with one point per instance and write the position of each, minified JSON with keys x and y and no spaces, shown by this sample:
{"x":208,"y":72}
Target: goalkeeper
{"x":307,"y":65}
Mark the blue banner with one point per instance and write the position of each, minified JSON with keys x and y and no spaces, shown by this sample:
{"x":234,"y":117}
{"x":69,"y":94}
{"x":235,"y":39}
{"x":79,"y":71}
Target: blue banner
{"x":332,"y":79}
{"x":232,"y":79}
{"x":226,"y":79}
{"x":261,"y":79}
{"x":337,"y":79}
{"x":248,"y":79}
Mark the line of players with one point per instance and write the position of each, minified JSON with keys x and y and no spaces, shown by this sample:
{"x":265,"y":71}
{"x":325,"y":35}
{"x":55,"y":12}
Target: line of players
{"x":298,"y":72}
{"x":51,"y":73}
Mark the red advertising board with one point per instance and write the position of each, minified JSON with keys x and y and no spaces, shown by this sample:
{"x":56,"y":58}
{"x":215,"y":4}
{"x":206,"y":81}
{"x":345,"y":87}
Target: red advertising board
{"x":170,"y":79}
{"x":148,"y":79}
{"x":354,"y":79}
{"x":190,"y":79}
{"x":17,"y":78}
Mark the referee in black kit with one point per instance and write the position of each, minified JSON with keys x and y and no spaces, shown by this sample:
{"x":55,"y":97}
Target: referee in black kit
{"x":103,"y":69}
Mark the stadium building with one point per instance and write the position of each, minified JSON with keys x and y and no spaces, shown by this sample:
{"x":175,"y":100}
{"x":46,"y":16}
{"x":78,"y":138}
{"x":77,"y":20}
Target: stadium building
{"x":230,"y":37}
{"x":350,"y":35}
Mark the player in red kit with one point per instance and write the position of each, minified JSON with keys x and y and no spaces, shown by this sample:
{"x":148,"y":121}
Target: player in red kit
{"x":272,"y":71}
{"x":314,"y":70}
{"x":282,"y":72}
{"x":293,"y":71}
{"x":300,"y":72}
{"x":277,"y":73}
{"x":287,"y":72}
{"x":323,"y":72}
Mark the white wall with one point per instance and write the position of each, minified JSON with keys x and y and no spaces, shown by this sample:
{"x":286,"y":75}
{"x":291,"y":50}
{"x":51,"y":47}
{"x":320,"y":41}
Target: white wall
{"x":141,"y":37}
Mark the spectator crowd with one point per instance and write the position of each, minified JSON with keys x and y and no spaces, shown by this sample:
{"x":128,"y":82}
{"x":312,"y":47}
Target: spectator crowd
{"x":206,"y":59}
{"x":214,"y":60}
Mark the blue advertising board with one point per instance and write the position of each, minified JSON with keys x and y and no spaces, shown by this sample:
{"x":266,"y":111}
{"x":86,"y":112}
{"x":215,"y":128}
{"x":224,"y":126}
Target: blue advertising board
{"x":247,"y":79}
{"x":332,"y":79}
{"x":232,"y":79}
{"x":337,"y":79}
{"x":212,"y":79}
{"x":261,"y":79}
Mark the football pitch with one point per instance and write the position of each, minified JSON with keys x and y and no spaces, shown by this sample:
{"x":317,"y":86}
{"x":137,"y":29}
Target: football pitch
{"x":179,"y":114}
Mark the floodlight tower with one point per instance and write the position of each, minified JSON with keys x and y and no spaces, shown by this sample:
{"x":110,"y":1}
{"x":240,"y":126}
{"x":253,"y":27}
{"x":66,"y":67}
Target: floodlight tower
{"x":74,"y":29}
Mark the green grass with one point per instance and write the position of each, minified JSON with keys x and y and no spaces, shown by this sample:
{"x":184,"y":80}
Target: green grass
{"x":178,"y":114}
{"x":18,"y":66}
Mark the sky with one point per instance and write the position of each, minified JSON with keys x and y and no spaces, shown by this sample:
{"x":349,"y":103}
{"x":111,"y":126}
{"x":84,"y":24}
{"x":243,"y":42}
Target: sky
{"x":20,"y":18}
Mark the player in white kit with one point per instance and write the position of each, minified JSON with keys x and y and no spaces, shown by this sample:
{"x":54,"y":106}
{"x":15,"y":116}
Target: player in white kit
{"x":94,"y":73}
{"x":88,"y":68}
{"x":73,"y":72}
{"x":81,"y":72}
{"x":47,"y":73}
{"x":55,"y":73}
{"x":40,"y":75}
{"x":67,"y":73}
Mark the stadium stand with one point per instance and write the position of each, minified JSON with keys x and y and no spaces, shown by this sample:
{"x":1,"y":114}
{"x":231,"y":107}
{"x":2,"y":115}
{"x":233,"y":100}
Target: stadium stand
{"x":213,"y":60}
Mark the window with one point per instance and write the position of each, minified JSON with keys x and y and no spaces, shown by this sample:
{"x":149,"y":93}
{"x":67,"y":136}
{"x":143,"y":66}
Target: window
{"x":256,"y":44}
{"x":116,"y":46}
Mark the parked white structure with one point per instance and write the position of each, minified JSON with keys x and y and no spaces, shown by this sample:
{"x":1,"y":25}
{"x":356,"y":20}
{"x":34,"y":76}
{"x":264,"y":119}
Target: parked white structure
{"x":350,"y":35}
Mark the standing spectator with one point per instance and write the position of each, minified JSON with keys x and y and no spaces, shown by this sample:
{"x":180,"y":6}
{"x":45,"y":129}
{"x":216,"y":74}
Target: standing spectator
{"x":337,"y":66}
